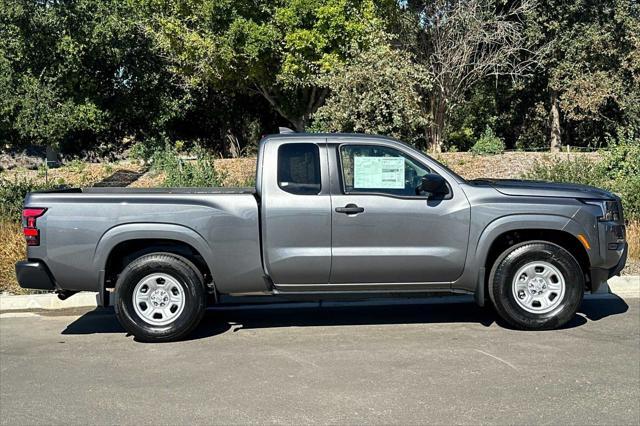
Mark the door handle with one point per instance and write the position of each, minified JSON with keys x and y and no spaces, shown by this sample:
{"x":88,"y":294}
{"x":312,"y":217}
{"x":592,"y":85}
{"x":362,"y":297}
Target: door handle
{"x":350,"y":209}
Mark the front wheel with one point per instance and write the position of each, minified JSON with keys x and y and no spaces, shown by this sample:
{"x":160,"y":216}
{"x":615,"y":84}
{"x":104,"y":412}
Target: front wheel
{"x":160,"y":297}
{"x":536,"y":286}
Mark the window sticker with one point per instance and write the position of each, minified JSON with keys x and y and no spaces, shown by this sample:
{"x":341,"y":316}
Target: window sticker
{"x":378,"y":172}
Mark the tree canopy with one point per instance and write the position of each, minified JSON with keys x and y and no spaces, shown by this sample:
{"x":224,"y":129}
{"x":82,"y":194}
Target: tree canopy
{"x":97,"y":77}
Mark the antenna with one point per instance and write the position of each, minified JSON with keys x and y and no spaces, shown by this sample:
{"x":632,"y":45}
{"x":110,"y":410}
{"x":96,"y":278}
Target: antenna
{"x":282,"y":130}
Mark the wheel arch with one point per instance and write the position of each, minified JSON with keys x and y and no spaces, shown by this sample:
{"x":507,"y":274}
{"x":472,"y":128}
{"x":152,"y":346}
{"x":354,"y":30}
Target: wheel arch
{"x":122,"y":244}
{"x":507,"y":231}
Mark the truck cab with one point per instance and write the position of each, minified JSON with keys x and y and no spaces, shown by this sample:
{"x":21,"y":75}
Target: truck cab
{"x":344,"y":213}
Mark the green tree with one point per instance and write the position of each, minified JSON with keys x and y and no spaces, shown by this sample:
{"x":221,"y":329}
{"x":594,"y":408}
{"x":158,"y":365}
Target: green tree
{"x":44,"y":117}
{"x":591,"y":76}
{"x":461,"y":44}
{"x":585,"y":87}
{"x":379,"y":92}
{"x":281,"y":50}
{"x":80,"y":74}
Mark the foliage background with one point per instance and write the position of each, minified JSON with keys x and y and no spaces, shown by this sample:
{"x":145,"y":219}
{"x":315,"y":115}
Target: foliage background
{"x":94,"y":78}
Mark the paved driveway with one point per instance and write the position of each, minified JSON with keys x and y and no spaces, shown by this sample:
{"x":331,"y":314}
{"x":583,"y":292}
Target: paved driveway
{"x":403,"y":364}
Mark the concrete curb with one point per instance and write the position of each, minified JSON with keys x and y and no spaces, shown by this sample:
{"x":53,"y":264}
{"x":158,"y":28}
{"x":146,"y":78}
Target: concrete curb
{"x":46,"y":301}
{"x":625,"y":287}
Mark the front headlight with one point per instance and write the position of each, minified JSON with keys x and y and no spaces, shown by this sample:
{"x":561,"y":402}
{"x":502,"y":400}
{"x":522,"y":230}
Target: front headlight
{"x":610,"y":210}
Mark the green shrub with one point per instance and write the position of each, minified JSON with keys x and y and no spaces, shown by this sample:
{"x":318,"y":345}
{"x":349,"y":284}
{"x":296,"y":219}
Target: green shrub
{"x":629,"y":191}
{"x":621,"y":159}
{"x":149,"y":148}
{"x":165,"y":159}
{"x":618,"y":171}
{"x":488,"y":144}
{"x":43,"y":169}
{"x":76,"y":166}
{"x":459,"y":140}
{"x":378,"y":91}
{"x":573,"y":170}
{"x":181,"y":173}
{"x":12,"y":193}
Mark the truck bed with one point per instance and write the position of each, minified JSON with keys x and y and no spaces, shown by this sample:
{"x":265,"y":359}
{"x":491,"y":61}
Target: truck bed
{"x":81,"y":227}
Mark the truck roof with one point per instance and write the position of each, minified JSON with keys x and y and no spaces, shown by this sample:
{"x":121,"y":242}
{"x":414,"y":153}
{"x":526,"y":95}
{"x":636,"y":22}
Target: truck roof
{"x":297,"y":135}
{"x":305,"y":135}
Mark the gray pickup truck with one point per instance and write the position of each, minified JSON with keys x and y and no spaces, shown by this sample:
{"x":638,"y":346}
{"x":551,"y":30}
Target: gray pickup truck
{"x":332,"y":216}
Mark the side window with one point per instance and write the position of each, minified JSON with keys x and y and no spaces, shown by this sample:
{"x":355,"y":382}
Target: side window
{"x":299,"y":168}
{"x":379,"y":169}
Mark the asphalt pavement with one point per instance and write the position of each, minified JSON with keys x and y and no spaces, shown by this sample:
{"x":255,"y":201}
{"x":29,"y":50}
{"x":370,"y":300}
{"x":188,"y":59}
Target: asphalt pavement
{"x":439,"y":363}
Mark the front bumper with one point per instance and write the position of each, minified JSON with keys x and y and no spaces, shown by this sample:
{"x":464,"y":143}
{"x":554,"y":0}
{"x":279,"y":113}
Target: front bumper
{"x":600,"y":276}
{"x":34,"y":274}
{"x":623,"y":260}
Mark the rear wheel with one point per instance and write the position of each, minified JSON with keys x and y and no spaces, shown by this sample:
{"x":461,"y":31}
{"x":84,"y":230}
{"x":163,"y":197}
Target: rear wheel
{"x":536,"y":286}
{"x":160,"y":297}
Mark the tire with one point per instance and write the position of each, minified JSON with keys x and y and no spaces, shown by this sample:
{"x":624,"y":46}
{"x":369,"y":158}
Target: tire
{"x":160,"y":297}
{"x":536,"y":285}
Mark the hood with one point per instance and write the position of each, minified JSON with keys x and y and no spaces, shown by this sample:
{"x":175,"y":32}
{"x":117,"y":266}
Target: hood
{"x":535,"y":188}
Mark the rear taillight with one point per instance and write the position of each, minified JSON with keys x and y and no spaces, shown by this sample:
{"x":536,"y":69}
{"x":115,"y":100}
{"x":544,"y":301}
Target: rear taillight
{"x":29,"y":228}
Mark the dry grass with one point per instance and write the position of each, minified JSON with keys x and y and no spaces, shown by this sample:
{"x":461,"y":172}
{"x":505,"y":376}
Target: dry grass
{"x":510,"y":165}
{"x":149,"y":180}
{"x":76,"y":174}
{"x":12,"y":249}
{"x":236,"y":171}
{"x":633,"y":238}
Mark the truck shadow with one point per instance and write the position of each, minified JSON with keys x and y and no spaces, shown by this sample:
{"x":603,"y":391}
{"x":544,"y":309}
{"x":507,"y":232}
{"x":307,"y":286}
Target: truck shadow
{"x":237,"y":318}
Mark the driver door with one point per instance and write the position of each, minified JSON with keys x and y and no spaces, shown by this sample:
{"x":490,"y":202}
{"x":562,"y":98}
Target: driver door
{"x":383,"y":232}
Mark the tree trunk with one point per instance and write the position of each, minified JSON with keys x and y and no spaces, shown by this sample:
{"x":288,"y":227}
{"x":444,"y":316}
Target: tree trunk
{"x":435,"y":138}
{"x":554,"y":122}
{"x":233,"y":146}
{"x":436,"y":128}
{"x":315,"y":99}
{"x":299,"y":123}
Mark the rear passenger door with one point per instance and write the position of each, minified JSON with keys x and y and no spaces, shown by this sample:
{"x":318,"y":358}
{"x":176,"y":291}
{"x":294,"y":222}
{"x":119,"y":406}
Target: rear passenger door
{"x":296,"y":212}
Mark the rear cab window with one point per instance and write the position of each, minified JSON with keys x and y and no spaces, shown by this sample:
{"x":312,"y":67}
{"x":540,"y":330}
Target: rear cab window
{"x":299,"y":168}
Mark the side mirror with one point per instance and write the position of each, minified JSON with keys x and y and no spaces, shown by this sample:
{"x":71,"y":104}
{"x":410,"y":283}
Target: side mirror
{"x":432,"y":184}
